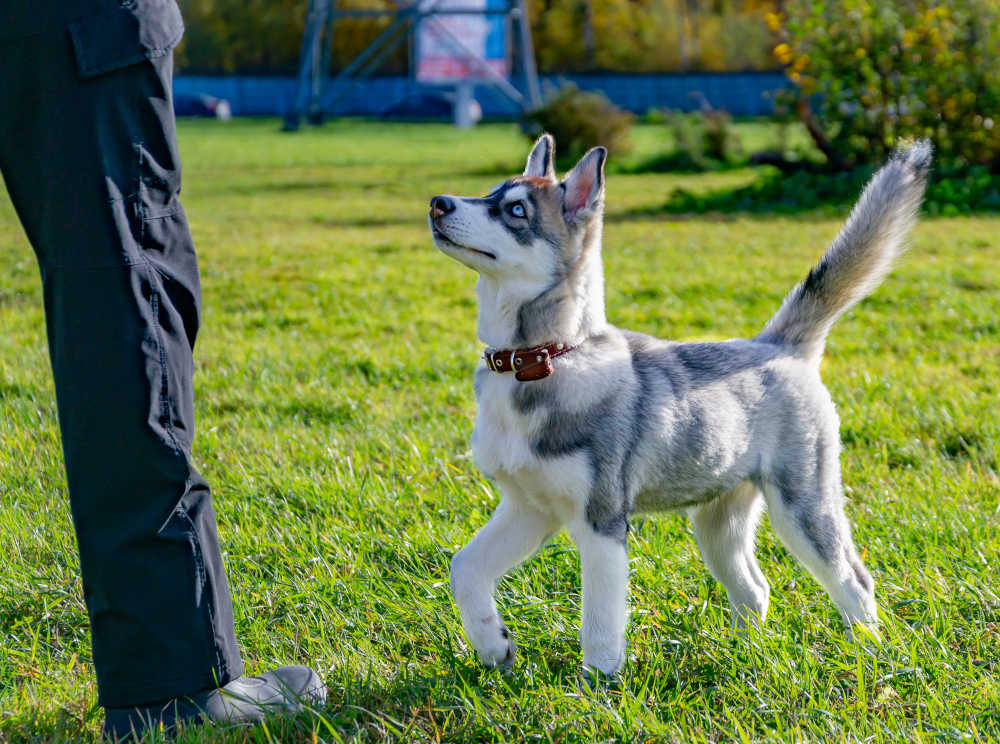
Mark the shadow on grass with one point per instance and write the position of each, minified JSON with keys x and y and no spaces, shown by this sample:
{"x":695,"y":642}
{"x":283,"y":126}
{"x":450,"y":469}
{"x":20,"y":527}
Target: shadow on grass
{"x":386,"y":221}
{"x":410,"y":706}
{"x":499,"y":170}
{"x":951,"y":192}
{"x":39,"y":725}
{"x":306,"y":412}
{"x":286,"y":187}
{"x":678,"y":163}
{"x":360,"y":221}
{"x":671,"y":163}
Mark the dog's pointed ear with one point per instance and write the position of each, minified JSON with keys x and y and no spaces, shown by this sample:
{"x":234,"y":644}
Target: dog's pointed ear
{"x":584,"y":186}
{"x":541,"y":161}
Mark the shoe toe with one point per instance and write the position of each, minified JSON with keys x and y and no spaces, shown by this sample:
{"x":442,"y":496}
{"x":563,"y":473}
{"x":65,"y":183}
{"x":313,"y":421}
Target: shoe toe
{"x":244,"y":701}
{"x":297,"y":683}
{"x":288,"y":689}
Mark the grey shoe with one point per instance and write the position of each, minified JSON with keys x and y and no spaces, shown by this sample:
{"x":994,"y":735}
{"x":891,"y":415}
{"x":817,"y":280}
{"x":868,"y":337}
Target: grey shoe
{"x":246,"y":701}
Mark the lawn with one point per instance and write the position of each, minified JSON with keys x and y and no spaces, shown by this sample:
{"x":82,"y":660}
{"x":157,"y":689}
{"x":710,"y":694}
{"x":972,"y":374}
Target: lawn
{"x":335,"y":404}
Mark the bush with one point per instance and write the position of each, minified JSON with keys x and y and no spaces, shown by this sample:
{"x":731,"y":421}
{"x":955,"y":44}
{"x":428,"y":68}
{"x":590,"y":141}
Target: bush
{"x":878,"y":71}
{"x":705,"y":137}
{"x":580,"y":120}
{"x":702,"y":140}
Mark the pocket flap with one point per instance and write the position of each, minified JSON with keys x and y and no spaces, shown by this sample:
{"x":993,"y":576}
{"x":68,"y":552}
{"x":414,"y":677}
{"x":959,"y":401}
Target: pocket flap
{"x":142,"y":29}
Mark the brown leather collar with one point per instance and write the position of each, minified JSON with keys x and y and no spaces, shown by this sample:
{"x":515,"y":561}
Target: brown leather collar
{"x":526,"y":364}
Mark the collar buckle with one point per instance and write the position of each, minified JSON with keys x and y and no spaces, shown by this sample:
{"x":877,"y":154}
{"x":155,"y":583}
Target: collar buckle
{"x":526,"y":364}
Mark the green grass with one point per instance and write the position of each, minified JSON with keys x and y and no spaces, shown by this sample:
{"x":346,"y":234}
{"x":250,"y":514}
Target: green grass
{"x":334,"y":395}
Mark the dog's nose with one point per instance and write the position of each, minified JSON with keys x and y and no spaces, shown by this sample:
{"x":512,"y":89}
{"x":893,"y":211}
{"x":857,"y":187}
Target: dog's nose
{"x":441,"y":205}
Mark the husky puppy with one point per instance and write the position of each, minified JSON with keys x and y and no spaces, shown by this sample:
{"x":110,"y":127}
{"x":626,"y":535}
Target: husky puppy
{"x":582,"y":424}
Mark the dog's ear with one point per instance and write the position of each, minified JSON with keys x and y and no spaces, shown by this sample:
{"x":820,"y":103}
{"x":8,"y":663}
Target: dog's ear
{"x":584,"y":186}
{"x":541,"y":161}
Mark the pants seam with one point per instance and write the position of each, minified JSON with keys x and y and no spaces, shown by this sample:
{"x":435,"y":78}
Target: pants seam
{"x":154,"y":301}
{"x":207,"y":595}
{"x":153,"y":277}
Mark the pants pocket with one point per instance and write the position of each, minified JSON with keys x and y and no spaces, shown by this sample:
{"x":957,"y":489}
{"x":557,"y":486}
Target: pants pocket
{"x":135,"y":31}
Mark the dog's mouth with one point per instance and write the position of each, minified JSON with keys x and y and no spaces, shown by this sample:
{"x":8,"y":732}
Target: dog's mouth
{"x":442,"y":238}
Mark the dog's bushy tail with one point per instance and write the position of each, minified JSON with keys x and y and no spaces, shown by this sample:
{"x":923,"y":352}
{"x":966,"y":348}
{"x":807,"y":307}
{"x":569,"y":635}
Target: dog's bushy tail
{"x":859,"y":258}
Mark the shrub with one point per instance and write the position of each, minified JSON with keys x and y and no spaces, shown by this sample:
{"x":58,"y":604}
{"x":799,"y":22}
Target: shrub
{"x":878,"y":71}
{"x":580,"y":120}
{"x":702,"y":140}
{"x":689,"y":141}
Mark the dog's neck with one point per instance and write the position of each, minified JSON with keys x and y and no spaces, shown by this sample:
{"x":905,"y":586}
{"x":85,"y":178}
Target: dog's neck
{"x":569,"y":310}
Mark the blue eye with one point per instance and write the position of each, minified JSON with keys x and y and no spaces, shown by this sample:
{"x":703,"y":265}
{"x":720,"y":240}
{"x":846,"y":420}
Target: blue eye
{"x":517,"y":210}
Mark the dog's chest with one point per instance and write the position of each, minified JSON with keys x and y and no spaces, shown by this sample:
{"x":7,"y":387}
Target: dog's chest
{"x":503,"y":434}
{"x":504,"y":444}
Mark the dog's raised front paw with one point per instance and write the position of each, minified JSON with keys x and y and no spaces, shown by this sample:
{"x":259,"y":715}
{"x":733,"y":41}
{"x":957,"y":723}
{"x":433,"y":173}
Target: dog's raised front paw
{"x":500,"y":654}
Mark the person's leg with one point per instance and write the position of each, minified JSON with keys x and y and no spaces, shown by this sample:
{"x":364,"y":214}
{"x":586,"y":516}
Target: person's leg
{"x":92,"y":167}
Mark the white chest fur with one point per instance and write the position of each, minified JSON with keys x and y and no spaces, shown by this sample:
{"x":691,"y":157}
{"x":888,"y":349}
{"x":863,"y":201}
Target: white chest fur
{"x":503,"y":448}
{"x":501,"y":439}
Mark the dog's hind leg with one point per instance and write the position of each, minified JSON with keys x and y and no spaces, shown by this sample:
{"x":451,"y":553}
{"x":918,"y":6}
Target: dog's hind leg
{"x":812,"y":525}
{"x":514,"y":532}
{"x":725,"y":530}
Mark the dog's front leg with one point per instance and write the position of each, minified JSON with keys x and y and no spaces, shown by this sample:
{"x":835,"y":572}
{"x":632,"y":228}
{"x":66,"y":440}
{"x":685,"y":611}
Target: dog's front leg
{"x":514,"y":532}
{"x":604,"y":565}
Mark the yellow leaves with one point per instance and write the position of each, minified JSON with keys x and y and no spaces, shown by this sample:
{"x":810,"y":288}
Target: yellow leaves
{"x":784,"y":53}
{"x":931,"y":13}
{"x":798,"y":66}
{"x":934,"y":34}
{"x":774,"y":20}
{"x":860,"y":53}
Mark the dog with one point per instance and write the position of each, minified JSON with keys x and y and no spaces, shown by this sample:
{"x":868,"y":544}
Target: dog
{"x":581,"y":424}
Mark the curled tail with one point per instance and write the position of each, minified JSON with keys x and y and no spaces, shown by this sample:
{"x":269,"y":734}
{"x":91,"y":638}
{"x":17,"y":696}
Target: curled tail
{"x":859,"y":258}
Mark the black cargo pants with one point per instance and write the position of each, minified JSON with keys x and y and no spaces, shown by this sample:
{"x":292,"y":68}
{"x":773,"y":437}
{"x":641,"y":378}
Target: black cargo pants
{"x":89,"y":156}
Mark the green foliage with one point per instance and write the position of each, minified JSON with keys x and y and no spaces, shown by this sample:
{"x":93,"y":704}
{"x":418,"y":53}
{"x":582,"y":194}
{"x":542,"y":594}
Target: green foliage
{"x":264,"y":36}
{"x":248,"y":36}
{"x":650,"y":35}
{"x":580,"y":120}
{"x":881,"y":70}
{"x":335,"y":405}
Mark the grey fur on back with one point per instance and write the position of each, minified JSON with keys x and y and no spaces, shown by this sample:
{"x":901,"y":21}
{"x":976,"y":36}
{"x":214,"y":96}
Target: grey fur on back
{"x":859,"y":258}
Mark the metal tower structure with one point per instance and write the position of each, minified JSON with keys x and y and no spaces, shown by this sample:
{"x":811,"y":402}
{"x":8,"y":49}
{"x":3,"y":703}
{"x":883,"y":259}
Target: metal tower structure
{"x":317,"y":41}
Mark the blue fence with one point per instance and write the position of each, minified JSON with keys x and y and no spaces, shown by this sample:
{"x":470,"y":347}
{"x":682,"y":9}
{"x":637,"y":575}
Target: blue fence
{"x":740,"y":93}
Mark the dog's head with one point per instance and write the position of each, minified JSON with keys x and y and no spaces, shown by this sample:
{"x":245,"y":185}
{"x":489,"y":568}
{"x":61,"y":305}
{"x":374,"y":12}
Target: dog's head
{"x":529,"y":229}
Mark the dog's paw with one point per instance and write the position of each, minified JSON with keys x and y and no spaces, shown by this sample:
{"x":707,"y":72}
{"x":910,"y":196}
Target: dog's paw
{"x":593,"y":680}
{"x":499,"y":655}
{"x":866,"y":635}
